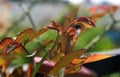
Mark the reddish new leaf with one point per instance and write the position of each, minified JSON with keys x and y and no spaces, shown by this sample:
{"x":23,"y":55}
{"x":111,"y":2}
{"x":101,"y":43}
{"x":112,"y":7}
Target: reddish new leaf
{"x":70,"y":17}
{"x":75,"y":65}
{"x":73,"y":68}
{"x":20,"y":50}
{"x":65,"y":61}
{"x":5,"y":42}
{"x":97,"y":16}
{"x":24,"y":35}
{"x":78,"y":26}
{"x":29,"y":34}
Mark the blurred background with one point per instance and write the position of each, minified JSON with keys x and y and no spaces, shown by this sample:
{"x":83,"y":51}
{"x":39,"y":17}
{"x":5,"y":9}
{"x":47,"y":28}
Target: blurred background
{"x":16,"y":15}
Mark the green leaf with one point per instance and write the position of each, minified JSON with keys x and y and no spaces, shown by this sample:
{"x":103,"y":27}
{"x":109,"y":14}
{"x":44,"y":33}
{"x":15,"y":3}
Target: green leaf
{"x":20,"y":60}
{"x":32,"y":46}
{"x":104,"y":44}
{"x":86,"y":37}
{"x":50,"y":34}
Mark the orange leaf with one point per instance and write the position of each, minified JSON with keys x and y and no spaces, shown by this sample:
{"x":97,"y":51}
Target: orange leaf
{"x":26,"y":33}
{"x":20,"y":50}
{"x":75,"y":65}
{"x":38,"y":32}
{"x":70,"y":17}
{"x":97,"y":16}
{"x":73,"y":68}
{"x":65,"y":61}
{"x":29,"y":34}
{"x":77,"y":60}
{"x":97,"y":57}
{"x":81,"y":23}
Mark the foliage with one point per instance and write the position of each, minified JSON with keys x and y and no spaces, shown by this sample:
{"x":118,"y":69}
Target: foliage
{"x":63,"y":44}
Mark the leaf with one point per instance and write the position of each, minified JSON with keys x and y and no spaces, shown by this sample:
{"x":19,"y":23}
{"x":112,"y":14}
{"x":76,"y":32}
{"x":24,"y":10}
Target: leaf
{"x":95,"y":17}
{"x":97,"y":57}
{"x":73,"y":68}
{"x":86,"y":20}
{"x":81,"y":23}
{"x":85,"y":38}
{"x":20,"y":50}
{"x":77,"y":60}
{"x":26,"y":33}
{"x":75,"y":65}
{"x":70,"y":17}
{"x":29,"y":34}
{"x":65,"y":61}
{"x":5,"y":59}
{"x":32,"y":46}
{"x":5,"y":42}
{"x":20,"y":60}
{"x":39,"y":32}
{"x":104,"y":44}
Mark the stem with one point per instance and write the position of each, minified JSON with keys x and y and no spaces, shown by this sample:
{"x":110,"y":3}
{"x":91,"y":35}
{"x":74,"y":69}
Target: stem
{"x":45,"y":57}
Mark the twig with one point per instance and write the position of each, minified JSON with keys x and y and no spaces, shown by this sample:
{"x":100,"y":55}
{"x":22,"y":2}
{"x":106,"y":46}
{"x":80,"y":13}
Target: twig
{"x":99,"y":37}
{"x":26,"y":11}
{"x":45,"y":57}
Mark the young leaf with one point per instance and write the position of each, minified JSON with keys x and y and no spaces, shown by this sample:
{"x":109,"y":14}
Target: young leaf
{"x":5,"y":42}
{"x":96,"y":57}
{"x":65,"y":37}
{"x":20,"y":50}
{"x":29,"y":34}
{"x":24,"y":35}
{"x":65,"y":61}
{"x":70,"y":17}
{"x":97,"y":16}
{"x":75,"y":65}
{"x":73,"y":68}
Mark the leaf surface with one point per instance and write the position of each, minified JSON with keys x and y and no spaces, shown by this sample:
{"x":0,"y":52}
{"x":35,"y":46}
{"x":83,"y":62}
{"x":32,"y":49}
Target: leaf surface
{"x":65,"y":61}
{"x":5,"y":42}
{"x":97,"y":16}
{"x":29,"y":34}
{"x":5,"y":59}
{"x":97,"y":57}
